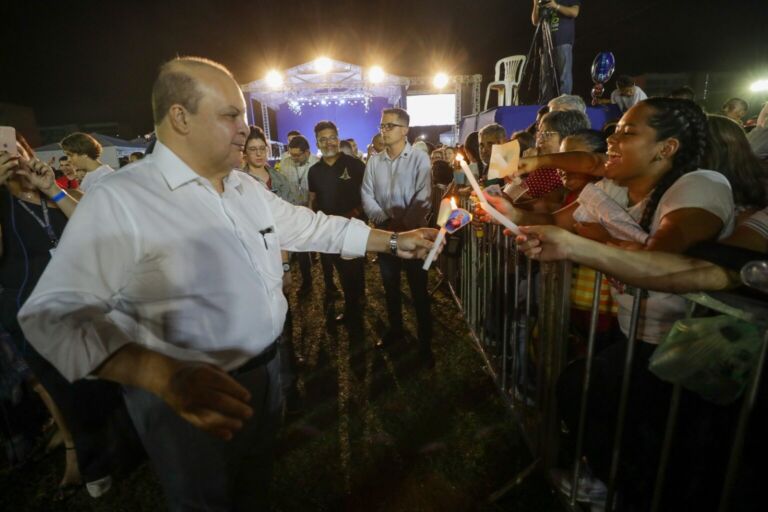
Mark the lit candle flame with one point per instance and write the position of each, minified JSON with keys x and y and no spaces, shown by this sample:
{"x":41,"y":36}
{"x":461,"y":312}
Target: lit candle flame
{"x":453,"y":203}
{"x":459,"y":157}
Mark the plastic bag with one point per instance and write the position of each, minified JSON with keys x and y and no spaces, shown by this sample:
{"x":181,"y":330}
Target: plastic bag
{"x":712,"y":356}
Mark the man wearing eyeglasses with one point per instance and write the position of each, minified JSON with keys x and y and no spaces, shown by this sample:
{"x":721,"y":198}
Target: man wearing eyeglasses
{"x":334,"y":189}
{"x":186,"y":310}
{"x":396,"y":193}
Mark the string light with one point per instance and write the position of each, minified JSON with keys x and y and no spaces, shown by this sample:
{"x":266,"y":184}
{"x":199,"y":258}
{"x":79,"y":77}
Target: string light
{"x":297,"y":104}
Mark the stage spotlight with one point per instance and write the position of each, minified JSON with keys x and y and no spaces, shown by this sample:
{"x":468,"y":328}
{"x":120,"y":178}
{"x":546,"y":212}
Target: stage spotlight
{"x":759,"y":86}
{"x":376,"y":74}
{"x":440,"y":80}
{"x":323,"y":64}
{"x":274,"y":79}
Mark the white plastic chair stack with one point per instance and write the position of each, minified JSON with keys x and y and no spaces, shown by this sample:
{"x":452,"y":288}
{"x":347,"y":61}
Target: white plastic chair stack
{"x":507,"y":80}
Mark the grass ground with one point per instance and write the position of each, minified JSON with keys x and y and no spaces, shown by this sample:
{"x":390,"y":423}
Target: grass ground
{"x":378,"y":431}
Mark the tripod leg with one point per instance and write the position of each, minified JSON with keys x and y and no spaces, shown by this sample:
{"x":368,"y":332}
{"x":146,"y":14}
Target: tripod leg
{"x":548,"y":64}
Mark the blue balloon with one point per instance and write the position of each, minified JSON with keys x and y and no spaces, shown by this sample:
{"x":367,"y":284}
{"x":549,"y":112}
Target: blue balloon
{"x":603,"y":67}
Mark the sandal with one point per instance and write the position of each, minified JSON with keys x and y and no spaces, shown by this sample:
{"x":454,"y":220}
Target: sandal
{"x":66,"y":491}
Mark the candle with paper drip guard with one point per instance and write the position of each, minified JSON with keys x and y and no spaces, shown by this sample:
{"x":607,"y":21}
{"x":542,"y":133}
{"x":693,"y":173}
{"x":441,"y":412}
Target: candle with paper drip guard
{"x":446,"y":207}
{"x":493,"y":212}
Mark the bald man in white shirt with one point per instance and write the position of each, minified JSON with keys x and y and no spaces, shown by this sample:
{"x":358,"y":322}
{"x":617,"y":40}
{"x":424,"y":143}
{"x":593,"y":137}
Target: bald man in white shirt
{"x":179,"y":296}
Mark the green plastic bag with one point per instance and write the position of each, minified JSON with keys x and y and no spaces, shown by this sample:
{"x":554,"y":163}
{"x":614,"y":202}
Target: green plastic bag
{"x":712,"y":356}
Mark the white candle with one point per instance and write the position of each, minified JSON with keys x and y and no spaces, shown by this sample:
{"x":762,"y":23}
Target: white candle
{"x":433,"y":251}
{"x":447,"y":206}
{"x":493,"y":212}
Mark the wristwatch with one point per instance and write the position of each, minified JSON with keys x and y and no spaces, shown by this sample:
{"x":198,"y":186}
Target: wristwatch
{"x":286,"y":267}
{"x":393,"y":244}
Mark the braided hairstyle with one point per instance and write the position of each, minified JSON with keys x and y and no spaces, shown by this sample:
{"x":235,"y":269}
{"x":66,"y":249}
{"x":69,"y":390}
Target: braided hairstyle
{"x":685,"y":121}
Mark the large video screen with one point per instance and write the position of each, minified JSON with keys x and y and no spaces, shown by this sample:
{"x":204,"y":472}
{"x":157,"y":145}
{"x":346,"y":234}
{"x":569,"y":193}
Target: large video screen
{"x":432,"y":109}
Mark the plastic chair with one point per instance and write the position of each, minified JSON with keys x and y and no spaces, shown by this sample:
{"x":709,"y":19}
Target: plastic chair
{"x":506,"y":84}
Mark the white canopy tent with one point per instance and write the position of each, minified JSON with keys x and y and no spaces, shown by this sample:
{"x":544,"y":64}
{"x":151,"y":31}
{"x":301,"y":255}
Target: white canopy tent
{"x":112,"y":149}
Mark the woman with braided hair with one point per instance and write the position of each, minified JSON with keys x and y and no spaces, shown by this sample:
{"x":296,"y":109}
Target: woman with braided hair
{"x":652,"y":173}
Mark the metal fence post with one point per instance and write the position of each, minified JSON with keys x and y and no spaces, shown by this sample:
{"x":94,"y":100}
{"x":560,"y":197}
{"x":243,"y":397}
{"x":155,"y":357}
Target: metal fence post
{"x":741,"y":429}
{"x":505,"y":312}
{"x":585,"y":388}
{"x":623,"y":400}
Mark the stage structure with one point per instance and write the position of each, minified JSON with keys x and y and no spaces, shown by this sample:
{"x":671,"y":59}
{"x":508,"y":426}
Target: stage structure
{"x":347,"y":94}
{"x":324,"y":89}
{"x":466,"y":88}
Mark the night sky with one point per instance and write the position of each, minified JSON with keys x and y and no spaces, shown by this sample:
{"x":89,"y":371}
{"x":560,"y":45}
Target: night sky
{"x":95,"y":61}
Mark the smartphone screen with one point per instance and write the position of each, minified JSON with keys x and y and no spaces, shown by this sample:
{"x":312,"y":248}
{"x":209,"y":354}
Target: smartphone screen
{"x":8,"y":140}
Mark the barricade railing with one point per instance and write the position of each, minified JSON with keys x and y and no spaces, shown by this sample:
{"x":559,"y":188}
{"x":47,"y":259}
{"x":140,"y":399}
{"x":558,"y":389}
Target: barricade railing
{"x":518,"y":313}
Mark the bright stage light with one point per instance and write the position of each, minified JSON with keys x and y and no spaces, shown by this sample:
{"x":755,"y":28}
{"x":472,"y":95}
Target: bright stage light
{"x":376,"y":74}
{"x":759,"y":86}
{"x":274,"y":78}
{"x":323,"y":64}
{"x":440,"y":80}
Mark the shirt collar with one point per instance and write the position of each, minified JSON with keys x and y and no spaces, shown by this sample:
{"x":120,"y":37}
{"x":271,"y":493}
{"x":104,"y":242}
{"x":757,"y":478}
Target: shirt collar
{"x":403,"y":154}
{"x":177,"y":173}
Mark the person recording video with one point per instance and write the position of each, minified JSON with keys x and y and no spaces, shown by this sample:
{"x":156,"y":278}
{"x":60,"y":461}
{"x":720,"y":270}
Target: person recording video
{"x":561,"y":16}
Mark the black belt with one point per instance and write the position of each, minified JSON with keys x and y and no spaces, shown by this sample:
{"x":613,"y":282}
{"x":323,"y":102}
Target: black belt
{"x":263,"y":359}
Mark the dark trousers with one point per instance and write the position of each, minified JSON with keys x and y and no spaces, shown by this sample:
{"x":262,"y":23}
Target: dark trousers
{"x":305,"y":267}
{"x":391,"y":267}
{"x":288,"y":359}
{"x":327,"y":262}
{"x":352,"y":277}
{"x":201,"y":472}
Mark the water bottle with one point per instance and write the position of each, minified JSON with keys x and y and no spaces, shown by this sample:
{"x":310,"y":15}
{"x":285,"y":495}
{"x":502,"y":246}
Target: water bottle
{"x":755,"y":275}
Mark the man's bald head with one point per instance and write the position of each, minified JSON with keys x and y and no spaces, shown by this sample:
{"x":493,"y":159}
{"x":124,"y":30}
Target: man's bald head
{"x":177,"y":84}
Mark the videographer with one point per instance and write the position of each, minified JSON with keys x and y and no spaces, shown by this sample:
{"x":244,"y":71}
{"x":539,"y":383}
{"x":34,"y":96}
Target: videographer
{"x":561,"y":16}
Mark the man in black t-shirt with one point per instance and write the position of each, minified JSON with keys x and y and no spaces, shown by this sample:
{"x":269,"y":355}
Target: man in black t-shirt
{"x":562,"y":23}
{"x":334,"y":189}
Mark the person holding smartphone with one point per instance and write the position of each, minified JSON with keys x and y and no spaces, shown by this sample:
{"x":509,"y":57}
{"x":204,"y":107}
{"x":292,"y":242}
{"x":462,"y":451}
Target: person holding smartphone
{"x":33,"y":213}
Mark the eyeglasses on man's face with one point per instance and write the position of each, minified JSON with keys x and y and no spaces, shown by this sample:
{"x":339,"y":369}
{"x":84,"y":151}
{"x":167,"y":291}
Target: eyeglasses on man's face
{"x":325,"y":140}
{"x":385,"y":127}
{"x":546,"y":134}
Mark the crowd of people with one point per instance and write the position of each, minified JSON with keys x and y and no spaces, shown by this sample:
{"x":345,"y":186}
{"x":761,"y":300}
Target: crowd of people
{"x":151,"y":286}
{"x":672,"y":201}
{"x":154,"y":282}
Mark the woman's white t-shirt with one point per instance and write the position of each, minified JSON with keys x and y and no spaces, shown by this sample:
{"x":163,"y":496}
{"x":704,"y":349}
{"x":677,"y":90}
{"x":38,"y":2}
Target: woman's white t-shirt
{"x":706,"y":190}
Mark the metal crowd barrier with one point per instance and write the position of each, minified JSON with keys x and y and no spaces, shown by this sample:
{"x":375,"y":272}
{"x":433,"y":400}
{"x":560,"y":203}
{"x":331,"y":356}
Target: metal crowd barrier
{"x":505,"y":299}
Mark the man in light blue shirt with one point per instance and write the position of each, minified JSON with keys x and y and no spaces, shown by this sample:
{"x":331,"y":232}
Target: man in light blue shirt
{"x":396,"y":193}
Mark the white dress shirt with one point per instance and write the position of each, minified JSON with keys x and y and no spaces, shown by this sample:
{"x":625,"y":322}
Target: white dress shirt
{"x":95,"y":175}
{"x":154,"y":255}
{"x":398,"y":189}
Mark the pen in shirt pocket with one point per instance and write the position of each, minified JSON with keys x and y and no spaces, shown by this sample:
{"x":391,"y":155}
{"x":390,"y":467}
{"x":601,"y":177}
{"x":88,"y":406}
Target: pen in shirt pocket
{"x":264,"y":232}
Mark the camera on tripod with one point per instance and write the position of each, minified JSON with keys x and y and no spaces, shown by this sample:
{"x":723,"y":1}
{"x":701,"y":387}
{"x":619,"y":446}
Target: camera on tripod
{"x":545,"y":13}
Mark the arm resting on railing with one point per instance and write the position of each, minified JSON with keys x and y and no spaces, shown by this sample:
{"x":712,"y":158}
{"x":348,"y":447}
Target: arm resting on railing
{"x":653,"y":270}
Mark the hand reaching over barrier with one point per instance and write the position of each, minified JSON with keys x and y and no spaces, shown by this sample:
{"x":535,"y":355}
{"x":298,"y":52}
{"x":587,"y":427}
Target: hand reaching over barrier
{"x":653,"y":270}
